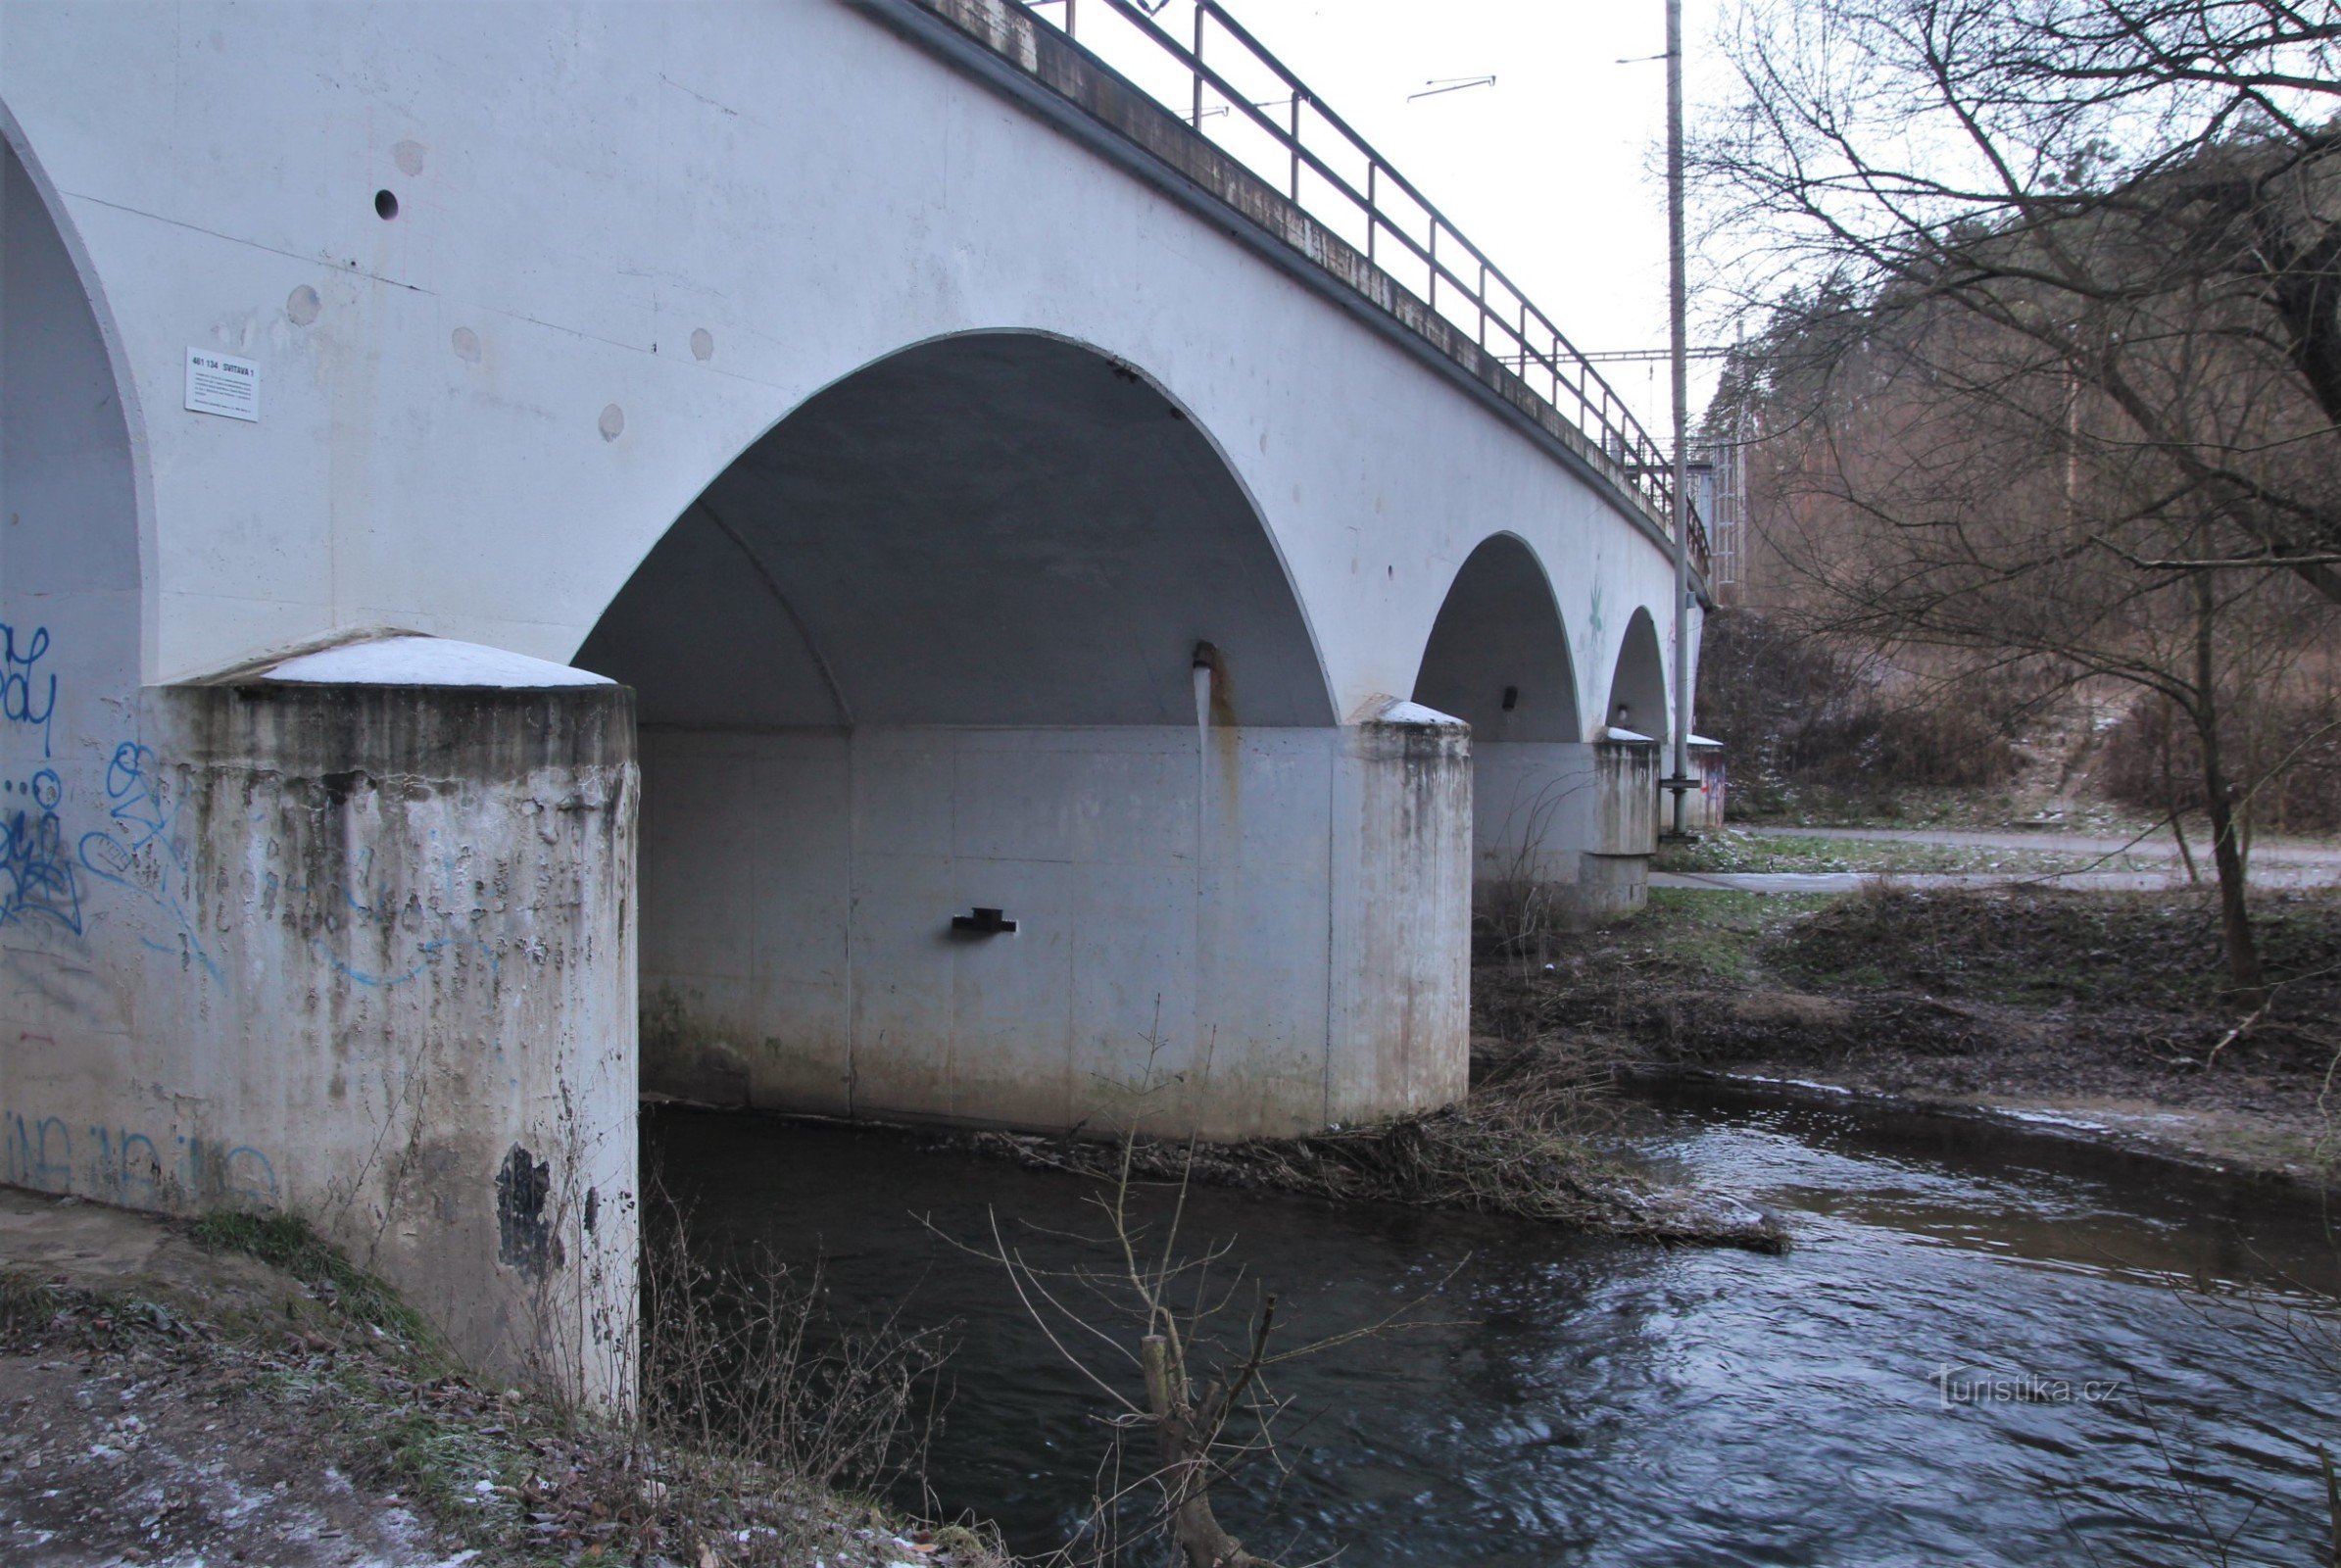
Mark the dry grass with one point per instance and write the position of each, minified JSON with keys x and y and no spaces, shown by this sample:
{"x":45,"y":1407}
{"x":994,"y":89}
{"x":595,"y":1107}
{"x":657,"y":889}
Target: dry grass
{"x":762,"y":1434}
{"x":742,"y":1367}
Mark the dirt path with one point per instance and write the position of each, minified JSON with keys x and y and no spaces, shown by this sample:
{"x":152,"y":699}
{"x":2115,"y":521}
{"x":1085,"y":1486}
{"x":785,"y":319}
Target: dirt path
{"x":2263,"y":877}
{"x":129,"y":1434}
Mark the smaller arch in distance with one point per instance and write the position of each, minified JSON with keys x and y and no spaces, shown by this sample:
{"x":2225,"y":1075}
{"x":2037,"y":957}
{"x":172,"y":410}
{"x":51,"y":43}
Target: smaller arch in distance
{"x":1638,"y":686}
{"x":1498,"y":653}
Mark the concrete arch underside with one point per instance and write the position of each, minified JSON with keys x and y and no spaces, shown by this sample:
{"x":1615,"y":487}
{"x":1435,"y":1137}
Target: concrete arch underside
{"x":1556,"y":833}
{"x":990,"y":626}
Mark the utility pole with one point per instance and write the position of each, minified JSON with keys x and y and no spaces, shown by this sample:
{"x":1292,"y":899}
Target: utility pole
{"x":1679,"y":355}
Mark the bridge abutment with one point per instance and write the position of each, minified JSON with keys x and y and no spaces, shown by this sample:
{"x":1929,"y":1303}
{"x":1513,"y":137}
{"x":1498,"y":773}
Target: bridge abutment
{"x":364,"y":953}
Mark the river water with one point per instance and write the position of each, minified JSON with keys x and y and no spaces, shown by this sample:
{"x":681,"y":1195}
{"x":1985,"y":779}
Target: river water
{"x":1981,"y":1350}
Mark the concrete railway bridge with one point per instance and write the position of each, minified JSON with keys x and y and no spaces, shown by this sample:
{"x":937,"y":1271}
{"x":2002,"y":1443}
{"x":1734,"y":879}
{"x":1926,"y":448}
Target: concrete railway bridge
{"x":560,"y":552}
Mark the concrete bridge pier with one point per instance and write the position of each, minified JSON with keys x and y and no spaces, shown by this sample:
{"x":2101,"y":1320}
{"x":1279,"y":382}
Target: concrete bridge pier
{"x":350,"y":936}
{"x":389,"y":887}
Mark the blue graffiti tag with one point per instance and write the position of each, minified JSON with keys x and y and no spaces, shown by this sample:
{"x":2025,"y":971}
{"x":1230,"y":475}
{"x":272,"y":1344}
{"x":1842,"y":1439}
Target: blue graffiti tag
{"x":379,"y":908}
{"x":31,"y":1160}
{"x":137,"y":801}
{"x":36,"y":877}
{"x":121,"y":1165}
{"x":141,"y":817}
{"x":22,"y":701}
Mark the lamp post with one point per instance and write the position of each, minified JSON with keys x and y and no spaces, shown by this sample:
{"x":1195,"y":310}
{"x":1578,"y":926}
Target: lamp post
{"x":1677,"y":361}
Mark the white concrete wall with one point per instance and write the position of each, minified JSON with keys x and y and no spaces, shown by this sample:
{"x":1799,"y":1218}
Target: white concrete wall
{"x":1571,"y":826}
{"x":1253,"y":931}
{"x":586,"y":189}
{"x":1534,"y":810}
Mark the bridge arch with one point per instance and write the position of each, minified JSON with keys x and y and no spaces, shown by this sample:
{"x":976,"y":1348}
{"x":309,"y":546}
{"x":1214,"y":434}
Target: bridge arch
{"x":75,"y":472}
{"x":986,"y":529}
{"x":989,"y":624}
{"x":1637,"y":684}
{"x":1498,"y":656}
{"x":72,"y":583}
{"x":1499,"y":652}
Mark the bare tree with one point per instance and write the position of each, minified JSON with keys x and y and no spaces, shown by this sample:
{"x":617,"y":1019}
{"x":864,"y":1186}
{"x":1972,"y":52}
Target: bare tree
{"x":2053,"y":363}
{"x":2137,"y":191}
{"x":1934,"y":481}
{"x":1178,"y":1345}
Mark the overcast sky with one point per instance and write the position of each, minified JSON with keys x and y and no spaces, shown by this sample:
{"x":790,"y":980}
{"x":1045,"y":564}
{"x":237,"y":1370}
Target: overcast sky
{"x":1555,"y":172}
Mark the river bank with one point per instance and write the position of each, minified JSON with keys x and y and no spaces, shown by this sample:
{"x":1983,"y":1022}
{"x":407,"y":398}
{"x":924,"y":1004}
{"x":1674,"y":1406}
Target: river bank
{"x":173,"y":1400}
{"x":1536,"y":1139}
{"x":2094,"y":1015}
{"x":1567,"y":1398}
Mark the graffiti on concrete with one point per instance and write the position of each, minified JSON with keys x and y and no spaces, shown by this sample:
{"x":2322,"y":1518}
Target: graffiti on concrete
{"x":139,"y":817}
{"x":40,"y":1155}
{"x":134,"y":800}
{"x":24,"y":699}
{"x":361,"y":904}
{"x":121,"y":1165}
{"x":37,"y":878}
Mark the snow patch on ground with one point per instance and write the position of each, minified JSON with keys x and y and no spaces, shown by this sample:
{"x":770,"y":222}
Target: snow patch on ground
{"x":1789,"y":1083}
{"x":2049,"y":1118}
{"x":427,"y":662}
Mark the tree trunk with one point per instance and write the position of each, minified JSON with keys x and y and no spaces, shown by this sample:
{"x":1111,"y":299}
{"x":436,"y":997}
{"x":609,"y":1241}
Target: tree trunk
{"x":1186,"y":1466}
{"x":2194,"y":873}
{"x":2235,"y":916}
{"x":2244,"y":978}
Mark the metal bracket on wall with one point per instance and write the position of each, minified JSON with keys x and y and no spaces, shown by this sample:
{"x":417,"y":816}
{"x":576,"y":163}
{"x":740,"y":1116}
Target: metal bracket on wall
{"x":983,"y":922}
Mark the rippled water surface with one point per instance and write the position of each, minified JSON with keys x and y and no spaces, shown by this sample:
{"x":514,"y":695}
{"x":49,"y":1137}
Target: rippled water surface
{"x":1589,"y":1402}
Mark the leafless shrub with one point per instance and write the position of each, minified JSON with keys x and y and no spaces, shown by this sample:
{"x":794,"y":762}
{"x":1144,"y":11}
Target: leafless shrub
{"x":1801,"y":714}
{"x":1180,"y":1347}
{"x":740,"y":1359}
{"x":2288,"y":740}
{"x":755,"y":1413}
{"x":1521,"y":910}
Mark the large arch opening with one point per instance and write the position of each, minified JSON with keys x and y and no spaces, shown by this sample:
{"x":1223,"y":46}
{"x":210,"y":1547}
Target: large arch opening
{"x":987,"y":634}
{"x":1498,"y":656}
{"x":71,"y":611}
{"x":69,"y":581}
{"x":1637,"y":685}
{"x":993,"y":530}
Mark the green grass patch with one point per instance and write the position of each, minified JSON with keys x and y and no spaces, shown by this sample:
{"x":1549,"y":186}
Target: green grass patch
{"x":286,"y":1242}
{"x":26,"y":1305}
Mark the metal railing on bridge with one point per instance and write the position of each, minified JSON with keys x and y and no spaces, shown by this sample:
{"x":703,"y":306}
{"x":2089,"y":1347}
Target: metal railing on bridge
{"x":1196,"y":62}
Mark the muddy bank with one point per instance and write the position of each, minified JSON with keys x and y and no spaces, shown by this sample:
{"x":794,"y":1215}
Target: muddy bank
{"x":2099,"y":1016}
{"x":171,"y":1399}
